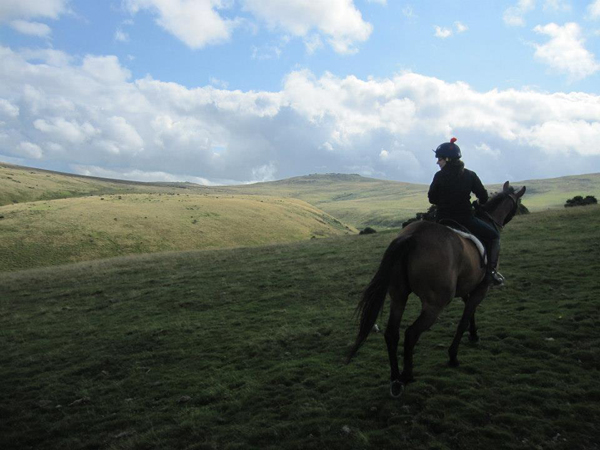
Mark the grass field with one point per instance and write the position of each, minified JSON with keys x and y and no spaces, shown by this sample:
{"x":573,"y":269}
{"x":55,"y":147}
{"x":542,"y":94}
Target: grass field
{"x":43,"y":233}
{"x":352,"y":199}
{"x":244,"y":349}
{"x":20,"y":184}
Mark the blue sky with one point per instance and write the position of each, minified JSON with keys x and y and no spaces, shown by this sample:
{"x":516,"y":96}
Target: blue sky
{"x":236,"y":91}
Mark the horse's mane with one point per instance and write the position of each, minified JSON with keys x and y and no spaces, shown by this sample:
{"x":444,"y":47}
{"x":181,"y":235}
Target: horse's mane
{"x":496,"y":199}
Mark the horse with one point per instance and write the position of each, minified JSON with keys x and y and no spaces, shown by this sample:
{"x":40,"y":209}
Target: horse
{"x":437,"y":264}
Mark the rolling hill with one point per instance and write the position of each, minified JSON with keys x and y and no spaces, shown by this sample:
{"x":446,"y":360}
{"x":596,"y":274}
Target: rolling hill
{"x":51,"y":218}
{"x":68,"y":230}
{"x":25,"y":184}
{"x":352,"y":199}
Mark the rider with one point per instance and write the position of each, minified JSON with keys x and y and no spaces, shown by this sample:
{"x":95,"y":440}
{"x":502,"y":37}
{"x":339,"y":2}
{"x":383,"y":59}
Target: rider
{"x":451,"y":191}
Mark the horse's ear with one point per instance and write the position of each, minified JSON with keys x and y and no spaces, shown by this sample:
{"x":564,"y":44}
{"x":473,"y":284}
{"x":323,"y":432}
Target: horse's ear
{"x":521,"y":192}
{"x":506,"y":186}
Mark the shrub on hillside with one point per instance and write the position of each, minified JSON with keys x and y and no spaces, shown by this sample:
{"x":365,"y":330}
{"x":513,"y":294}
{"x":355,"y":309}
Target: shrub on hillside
{"x":578,"y":200}
{"x":429,"y":215}
{"x":368,"y":230}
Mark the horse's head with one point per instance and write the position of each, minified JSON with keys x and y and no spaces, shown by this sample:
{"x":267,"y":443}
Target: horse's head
{"x":503,"y":206}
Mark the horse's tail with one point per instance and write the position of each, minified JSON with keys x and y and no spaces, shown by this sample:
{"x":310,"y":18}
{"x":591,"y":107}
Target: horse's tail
{"x":373,"y":298}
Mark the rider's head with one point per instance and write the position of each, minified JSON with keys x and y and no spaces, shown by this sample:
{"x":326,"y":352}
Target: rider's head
{"x":448,"y":150}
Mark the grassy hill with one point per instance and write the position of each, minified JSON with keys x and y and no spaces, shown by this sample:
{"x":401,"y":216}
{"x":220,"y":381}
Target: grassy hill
{"x":53,"y":218}
{"x":54,"y":232}
{"x":243,"y":349}
{"x":364,"y":201}
{"x":25,"y":184}
{"x":352,"y":199}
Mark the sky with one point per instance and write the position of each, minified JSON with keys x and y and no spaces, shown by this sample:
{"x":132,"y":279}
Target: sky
{"x":239,"y":91}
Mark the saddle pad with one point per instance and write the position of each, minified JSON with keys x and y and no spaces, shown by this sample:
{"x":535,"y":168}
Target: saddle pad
{"x":476,"y":241}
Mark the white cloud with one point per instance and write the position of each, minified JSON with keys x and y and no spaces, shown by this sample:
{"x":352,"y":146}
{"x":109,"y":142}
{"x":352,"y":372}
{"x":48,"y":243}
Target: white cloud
{"x":460,"y":27}
{"x":196,"y":23}
{"x":400,"y":158}
{"x":313,"y":43}
{"x":381,"y":2}
{"x":16,"y":9}
{"x":200,"y":23}
{"x":105,"y":68}
{"x":338,"y":20}
{"x":514,"y":15}
{"x":121,"y":36}
{"x":264,"y":173}
{"x":7,"y":109}
{"x":49,"y":56}
{"x":594,"y":9}
{"x":66,"y":131}
{"x":487,"y":150}
{"x":29,"y":150}
{"x":565,"y":51}
{"x":556,"y":6}
{"x":560,"y":137}
{"x":31,"y":28}
{"x":442,"y":33}
{"x":139,"y":175}
{"x":269,"y":51}
{"x":82,"y":114}
{"x":218,"y":83}
{"x":409,"y":12}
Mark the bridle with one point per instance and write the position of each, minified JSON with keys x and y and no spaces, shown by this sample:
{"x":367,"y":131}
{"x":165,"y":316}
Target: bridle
{"x":499,"y":226}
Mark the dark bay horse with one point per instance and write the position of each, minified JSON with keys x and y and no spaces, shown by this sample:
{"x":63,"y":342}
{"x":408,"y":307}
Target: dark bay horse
{"x":437,"y":265}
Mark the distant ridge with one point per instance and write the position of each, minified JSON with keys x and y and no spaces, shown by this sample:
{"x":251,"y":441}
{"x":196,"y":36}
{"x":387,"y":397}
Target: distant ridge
{"x":352,"y":198}
{"x":109,"y":180}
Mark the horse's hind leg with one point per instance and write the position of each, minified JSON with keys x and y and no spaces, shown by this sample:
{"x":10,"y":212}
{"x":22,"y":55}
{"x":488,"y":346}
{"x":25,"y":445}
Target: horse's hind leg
{"x":467,"y":321}
{"x":429,"y":315}
{"x":399,"y":298}
{"x":473,"y":337}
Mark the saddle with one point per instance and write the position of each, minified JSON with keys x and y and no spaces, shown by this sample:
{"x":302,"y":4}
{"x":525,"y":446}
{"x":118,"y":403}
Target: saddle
{"x":462,"y":231}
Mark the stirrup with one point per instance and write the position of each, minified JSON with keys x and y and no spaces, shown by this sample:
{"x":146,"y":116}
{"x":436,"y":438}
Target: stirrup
{"x":497,"y":278}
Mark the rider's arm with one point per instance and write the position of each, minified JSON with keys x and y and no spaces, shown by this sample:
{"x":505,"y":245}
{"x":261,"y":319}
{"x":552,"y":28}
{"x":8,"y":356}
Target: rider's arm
{"x":434,"y":191}
{"x":479,"y":190}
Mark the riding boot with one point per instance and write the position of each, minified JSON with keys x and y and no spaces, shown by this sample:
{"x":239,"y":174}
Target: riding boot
{"x":492,"y":275}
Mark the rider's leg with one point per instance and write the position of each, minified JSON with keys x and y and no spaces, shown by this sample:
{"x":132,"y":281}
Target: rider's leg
{"x":492,"y":273}
{"x":491,"y":239}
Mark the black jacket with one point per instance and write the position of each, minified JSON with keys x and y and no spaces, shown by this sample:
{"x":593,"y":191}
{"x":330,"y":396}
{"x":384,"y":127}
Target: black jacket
{"x":451,"y":191}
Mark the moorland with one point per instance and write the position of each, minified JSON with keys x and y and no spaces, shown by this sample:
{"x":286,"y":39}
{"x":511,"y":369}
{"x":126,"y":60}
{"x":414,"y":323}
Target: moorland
{"x":49,"y":218}
{"x":244,"y":347}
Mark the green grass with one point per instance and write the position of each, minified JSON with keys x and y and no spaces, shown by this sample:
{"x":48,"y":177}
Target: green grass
{"x":55,"y":232}
{"x":352,"y":199}
{"x":20,"y":184}
{"x":244,"y":348}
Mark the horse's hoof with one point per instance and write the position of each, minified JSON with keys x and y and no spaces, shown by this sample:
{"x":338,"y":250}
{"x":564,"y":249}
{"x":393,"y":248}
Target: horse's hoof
{"x":453,"y":363}
{"x":396,"y":389}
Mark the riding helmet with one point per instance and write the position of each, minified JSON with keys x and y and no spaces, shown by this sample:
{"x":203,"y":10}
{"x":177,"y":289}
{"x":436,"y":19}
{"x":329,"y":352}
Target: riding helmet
{"x":448,"y":150}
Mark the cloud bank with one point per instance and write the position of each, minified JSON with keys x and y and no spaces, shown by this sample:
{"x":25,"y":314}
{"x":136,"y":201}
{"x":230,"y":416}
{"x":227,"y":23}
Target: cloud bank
{"x":89,"y":115}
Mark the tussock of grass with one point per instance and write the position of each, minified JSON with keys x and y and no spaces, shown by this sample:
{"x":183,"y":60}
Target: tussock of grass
{"x":244,"y":348}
